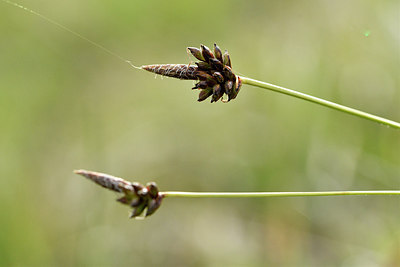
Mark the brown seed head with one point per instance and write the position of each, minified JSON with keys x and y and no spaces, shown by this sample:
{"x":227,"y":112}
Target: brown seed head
{"x":218,"y":66}
{"x":136,"y":196}
{"x":214,"y":72}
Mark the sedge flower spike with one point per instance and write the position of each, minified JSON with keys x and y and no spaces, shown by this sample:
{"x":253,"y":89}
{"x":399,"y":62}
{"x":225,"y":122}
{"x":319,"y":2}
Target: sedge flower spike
{"x":145,"y":200}
{"x":215,"y":78}
{"x":213,"y":73}
{"x":142,"y":199}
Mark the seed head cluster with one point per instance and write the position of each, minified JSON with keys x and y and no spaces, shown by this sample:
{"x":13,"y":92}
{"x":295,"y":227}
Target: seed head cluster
{"x":213,"y":73}
{"x":142,"y":199}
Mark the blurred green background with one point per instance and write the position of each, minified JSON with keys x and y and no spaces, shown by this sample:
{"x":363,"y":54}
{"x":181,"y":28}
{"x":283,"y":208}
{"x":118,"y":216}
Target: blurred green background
{"x":65,"y":105}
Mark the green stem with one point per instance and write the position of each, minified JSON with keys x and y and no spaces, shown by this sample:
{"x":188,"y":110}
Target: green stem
{"x":277,"y":194}
{"x":320,"y":101}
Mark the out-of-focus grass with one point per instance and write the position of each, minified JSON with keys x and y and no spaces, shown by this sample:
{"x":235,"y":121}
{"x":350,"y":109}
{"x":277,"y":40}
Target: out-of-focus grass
{"x":65,"y":104}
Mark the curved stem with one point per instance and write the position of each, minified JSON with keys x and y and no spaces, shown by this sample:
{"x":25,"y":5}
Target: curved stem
{"x":277,"y":194}
{"x":320,"y":101}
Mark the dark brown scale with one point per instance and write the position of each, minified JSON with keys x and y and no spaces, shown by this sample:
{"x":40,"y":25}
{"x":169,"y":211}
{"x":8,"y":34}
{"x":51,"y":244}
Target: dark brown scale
{"x":218,"y":52}
{"x":216,"y":64}
{"x":203,"y":65}
{"x":153,"y":205}
{"x":207,"y":53}
{"x":228,"y":73}
{"x":226,"y":59}
{"x":228,"y":87}
{"x":201,"y":85}
{"x":235,"y":90}
{"x":217,"y":93}
{"x":218,"y":76}
{"x":180,"y":71}
{"x":196,"y":53}
{"x":205,"y":93}
{"x":204,"y":76}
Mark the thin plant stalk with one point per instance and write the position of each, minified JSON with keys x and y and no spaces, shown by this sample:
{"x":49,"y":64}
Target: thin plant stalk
{"x":320,"y":101}
{"x":243,"y":80}
{"x":215,"y":78}
{"x":146,"y":199}
{"x":277,"y":194}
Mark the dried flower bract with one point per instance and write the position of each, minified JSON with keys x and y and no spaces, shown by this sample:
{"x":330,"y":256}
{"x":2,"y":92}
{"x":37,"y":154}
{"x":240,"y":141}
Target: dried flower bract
{"x":141,"y":198}
{"x":213,"y":72}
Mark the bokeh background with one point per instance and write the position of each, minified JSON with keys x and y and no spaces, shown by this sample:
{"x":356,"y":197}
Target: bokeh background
{"x":65,"y":105}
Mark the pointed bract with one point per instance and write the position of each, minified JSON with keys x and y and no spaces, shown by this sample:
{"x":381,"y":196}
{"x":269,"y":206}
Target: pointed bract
{"x":136,"y":202}
{"x":201,"y":85}
{"x":218,"y":52}
{"x":123,"y":200}
{"x":137,"y":211}
{"x":203,"y":65}
{"x":196,"y":53}
{"x":228,"y":87}
{"x":227,"y":59}
{"x":152,"y":189}
{"x":218,"y":76}
{"x":205,"y":93}
{"x":203,"y":76}
{"x":216,"y":64}
{"x":153,"y":205}
{"x":228,"y":73}
{"x":236,"y":90}
{"x":217,"y":93}
{"x":207,"y":53}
